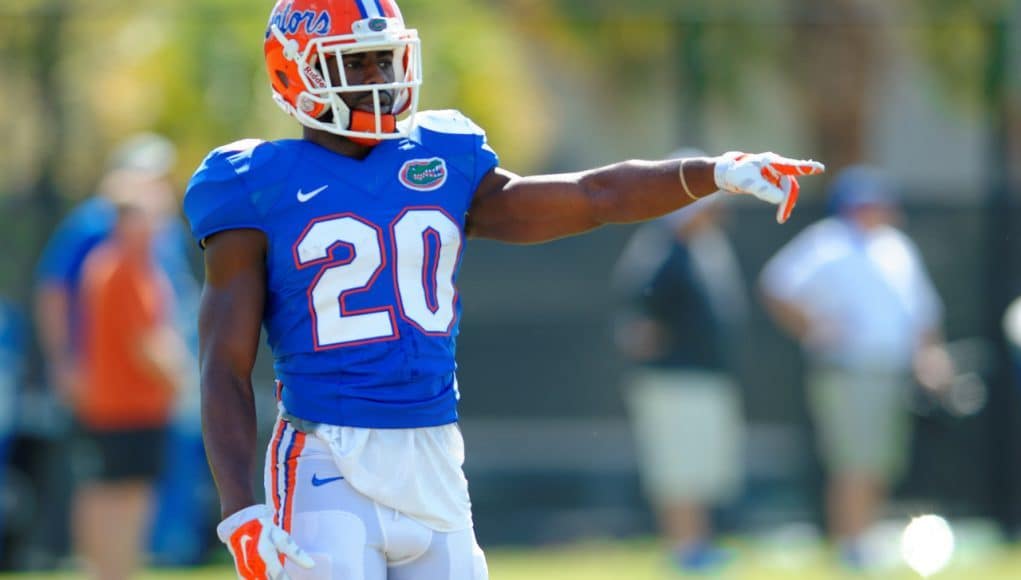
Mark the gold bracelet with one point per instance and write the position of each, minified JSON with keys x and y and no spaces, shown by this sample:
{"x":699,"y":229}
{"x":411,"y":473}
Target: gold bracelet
{"x":684,"y":183}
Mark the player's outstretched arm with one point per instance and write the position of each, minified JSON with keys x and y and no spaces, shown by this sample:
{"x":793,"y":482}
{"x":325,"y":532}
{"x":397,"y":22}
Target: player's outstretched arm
{"x":230,"y":317}
{"x":535,"y":209}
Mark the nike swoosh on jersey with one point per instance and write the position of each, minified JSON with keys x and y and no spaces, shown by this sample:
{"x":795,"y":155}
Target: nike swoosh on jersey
{"x":316,"y":482}
{"x":303,"y":197}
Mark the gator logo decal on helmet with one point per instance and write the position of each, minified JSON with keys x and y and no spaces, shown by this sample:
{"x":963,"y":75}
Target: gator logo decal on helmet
{"x":424,"y":174}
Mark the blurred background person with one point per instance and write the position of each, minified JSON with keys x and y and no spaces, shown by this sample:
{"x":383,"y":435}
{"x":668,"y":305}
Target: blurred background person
{"x":138,"y":168}
{"x":853,"y":290}
{"x":12,"y":367}
{"x":132,"y":362}
{"x":58,"y":275}
{"x":684,"y":311}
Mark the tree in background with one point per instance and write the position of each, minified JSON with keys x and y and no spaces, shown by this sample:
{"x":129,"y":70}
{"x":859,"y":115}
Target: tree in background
{"x":85,"y":75}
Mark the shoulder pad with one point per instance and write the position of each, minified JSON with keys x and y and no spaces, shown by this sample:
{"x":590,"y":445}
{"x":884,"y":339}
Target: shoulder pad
{"x":239,"y":145}
{"x":239,"y":159}
{"x":459,"y":141}
{"x":447,"y":121}
{"x":233,"y":186}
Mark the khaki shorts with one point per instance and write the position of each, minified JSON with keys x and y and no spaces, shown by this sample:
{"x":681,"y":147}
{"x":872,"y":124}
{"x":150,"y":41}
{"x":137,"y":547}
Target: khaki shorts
{"x":862,"y":420}
{"x":689,"y":433}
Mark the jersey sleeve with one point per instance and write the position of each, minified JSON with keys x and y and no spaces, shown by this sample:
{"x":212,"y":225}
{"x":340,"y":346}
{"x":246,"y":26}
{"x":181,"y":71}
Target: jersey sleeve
{"x":459,"y":141}
{"x":218,"y":197}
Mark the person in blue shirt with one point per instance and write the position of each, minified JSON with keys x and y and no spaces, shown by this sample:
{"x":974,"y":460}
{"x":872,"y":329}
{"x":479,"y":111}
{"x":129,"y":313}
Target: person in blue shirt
{"x":346,"y":244}
{"x":138,"y":167}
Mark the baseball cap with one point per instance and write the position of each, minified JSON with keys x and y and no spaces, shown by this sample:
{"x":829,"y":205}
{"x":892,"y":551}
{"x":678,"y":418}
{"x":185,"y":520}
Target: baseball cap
{"x":149,"y":152}
{"x":858,"y":186}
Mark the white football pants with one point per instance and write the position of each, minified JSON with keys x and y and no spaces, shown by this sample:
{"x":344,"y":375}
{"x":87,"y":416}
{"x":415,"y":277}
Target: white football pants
{"x":350,"y":536}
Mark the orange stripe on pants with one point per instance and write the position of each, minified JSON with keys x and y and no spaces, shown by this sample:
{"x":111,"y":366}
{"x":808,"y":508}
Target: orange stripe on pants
{"x":274,"y":470}
{"x":292,"y":472}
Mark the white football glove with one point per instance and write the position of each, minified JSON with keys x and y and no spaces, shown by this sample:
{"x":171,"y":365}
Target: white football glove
{"x":767,"y":176}
{"x":258,"y":545}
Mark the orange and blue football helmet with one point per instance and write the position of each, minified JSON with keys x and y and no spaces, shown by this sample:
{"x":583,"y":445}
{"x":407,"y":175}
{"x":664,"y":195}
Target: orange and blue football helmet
{"x":302,"y":34}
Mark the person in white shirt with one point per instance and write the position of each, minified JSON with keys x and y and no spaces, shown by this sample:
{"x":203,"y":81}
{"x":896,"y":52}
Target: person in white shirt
{"x":853,"y":290}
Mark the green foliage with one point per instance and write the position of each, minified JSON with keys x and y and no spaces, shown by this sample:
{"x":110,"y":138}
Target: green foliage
{"x":954,"y":38}
{"x":194,"y":71}
{"x":477,"y":63}
{"x":626,"y":42}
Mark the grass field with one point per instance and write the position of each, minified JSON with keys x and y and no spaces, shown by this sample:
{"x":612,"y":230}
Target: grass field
{"x":641,"y":560}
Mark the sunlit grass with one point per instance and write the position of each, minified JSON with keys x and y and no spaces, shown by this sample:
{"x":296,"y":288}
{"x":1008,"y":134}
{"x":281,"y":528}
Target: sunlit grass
{"x":642,"y":560}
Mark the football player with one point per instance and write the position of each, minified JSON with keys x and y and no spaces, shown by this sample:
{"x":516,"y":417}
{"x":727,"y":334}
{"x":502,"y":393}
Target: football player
{"x":345,"y":244}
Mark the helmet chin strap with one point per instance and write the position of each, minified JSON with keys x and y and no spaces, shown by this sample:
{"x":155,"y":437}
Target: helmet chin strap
{"x":366,"y":121}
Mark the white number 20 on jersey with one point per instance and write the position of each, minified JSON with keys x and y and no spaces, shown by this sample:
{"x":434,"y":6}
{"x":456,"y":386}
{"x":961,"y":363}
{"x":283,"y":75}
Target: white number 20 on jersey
{"x":425,"y":298}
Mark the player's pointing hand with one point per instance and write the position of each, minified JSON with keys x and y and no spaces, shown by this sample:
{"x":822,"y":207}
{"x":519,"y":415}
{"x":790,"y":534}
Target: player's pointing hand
{"x":767,"y":176}
{"x":259,"y":547}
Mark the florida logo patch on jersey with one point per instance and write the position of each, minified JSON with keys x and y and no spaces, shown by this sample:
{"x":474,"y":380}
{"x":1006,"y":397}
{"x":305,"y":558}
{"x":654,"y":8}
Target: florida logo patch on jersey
{"x":424,"y":174}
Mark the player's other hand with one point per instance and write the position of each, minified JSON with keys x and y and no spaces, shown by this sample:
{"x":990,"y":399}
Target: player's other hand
{"x":767,"y":176}
{"x":258,"y":545}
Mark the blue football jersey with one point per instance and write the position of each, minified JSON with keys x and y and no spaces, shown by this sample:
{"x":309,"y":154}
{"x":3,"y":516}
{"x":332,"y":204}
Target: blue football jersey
{"x":362,"y":307}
